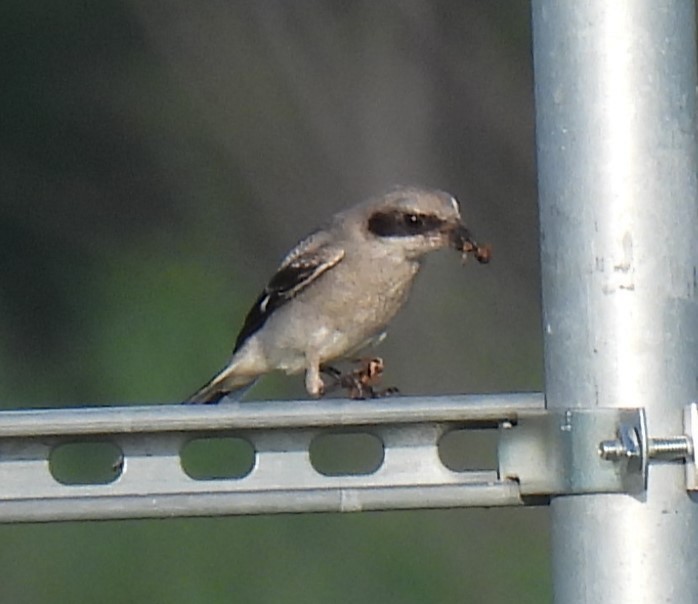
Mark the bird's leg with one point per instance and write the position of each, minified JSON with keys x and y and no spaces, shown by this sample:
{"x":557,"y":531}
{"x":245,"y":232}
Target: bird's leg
{"x":355,"y":389}
{"x":360,"y":383}
{"x":313,"y":382}
{"x":333,"y":374}
{"x":367,"y":376}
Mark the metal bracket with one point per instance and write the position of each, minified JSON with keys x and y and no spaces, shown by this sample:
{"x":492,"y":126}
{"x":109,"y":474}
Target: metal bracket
{"x":566,"y":452}
{"x":555,"y":452}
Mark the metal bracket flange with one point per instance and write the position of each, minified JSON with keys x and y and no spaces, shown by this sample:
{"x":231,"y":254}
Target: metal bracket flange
{"x":690,"y":424}
{"x":556,"y":452}
{"x":564,"y":452}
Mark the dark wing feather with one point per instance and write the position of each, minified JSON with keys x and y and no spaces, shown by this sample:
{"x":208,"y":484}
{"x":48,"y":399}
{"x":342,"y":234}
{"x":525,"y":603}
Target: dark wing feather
{"x":310,"y":259}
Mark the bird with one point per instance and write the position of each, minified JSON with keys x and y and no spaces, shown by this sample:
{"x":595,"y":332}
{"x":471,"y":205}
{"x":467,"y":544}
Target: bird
{"x":337,"y":290}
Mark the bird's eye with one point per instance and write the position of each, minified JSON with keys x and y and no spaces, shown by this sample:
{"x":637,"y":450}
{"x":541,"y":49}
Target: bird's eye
{"x":414,"y":221}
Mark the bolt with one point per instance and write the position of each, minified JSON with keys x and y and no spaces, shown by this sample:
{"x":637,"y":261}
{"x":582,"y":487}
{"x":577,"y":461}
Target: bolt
{"x":613,"y":450}
{"x":675,"y":447}
{"x":671,"y":448}
{"x":626,"y":446}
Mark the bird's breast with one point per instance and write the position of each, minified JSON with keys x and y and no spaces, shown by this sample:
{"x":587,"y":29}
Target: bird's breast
{"x":362,"y":300}
{"x":343,"y":310}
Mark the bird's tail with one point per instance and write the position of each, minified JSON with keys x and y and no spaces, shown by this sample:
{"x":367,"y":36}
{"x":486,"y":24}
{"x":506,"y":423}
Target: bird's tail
{"x":225,"y":383}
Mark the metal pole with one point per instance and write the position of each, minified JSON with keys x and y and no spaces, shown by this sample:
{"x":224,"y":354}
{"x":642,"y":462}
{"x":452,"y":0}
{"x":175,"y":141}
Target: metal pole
{"x":616,"y":128}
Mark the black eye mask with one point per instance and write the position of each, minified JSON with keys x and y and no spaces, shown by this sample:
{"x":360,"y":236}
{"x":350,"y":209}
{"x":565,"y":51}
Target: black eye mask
{"x":396,"y":223}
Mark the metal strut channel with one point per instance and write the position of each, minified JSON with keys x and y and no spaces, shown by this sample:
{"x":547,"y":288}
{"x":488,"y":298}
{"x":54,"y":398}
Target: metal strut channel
{"x":152,"y":483}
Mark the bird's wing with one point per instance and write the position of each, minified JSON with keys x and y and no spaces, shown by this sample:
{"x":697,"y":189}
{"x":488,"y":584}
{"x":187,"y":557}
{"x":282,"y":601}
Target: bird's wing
{"x":304,"y":264}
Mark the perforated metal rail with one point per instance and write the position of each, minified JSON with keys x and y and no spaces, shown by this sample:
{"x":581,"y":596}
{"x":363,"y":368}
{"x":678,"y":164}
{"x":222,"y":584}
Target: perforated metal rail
{"x":149,"y":479}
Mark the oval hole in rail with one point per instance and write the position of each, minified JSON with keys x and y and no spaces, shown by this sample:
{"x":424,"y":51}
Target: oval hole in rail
{"x":346,"y":453}
{"x":467,"y":450}
{"x":217,"y":458}
{"x":89,"y":462}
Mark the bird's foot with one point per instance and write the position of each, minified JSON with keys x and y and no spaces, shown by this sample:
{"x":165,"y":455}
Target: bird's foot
{"x":335,"y":377}
{"x":361,"y":382}
{"x":365,"y":377}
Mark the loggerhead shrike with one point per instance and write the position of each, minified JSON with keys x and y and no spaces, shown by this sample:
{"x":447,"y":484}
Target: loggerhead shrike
{"x":338,"y":289}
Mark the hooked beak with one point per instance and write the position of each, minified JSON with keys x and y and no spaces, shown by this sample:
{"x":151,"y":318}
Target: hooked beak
{"x":463,"y":241}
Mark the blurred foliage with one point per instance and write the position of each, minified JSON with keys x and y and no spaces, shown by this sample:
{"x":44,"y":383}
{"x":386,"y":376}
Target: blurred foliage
{"x":156,"y":160}
{"x":217,"y":458}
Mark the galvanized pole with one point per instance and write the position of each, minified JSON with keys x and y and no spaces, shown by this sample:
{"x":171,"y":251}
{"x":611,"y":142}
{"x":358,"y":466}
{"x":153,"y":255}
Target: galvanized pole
{"x":616,"y":128}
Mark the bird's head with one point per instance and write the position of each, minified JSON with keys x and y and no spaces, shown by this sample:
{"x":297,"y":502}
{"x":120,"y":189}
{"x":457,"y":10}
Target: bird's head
{"x":417,"y":221}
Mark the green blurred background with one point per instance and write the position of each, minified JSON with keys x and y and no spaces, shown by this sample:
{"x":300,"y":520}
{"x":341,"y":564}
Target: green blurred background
{"x":157,"y":160}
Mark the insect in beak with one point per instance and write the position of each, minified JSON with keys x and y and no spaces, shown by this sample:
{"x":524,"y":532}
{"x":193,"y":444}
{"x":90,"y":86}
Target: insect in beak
{"x":463,"y":241}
